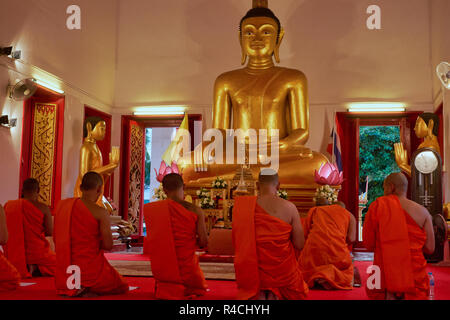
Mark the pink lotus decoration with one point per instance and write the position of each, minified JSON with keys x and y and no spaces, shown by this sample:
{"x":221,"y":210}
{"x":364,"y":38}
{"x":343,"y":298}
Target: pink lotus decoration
{"x":164,"y":169}
{"x":328,"y":174}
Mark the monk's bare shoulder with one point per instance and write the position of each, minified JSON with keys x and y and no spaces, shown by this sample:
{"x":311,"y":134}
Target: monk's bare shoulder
{"x":42,"y":206}
{"x":418,"y":212}
{"x":191,"y":207}
{"x":289,"y":208}
{"x":98,"y":212}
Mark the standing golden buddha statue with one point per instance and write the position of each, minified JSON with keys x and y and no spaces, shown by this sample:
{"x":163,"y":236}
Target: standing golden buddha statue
{"x":427,"y":125}
{"x":91,"y":157}
{"x":262,"y":96}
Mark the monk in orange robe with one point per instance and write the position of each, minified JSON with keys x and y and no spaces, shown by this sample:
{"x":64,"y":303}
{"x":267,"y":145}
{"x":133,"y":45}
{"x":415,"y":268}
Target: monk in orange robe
{"x":9,"y":276}
{"x":266,"y":232}
{"x":398,"y":230}
{"x":29,"y":222}
{"x":325,"y":259}
{"x":174,"y":229}
{"x":82,"y":232}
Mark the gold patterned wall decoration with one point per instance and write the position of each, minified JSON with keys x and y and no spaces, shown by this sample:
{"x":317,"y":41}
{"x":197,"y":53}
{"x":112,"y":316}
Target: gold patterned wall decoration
{"x":43,"y":149}
{"x":135,"y":176}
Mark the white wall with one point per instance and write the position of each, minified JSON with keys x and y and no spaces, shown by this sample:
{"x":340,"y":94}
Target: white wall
{"x":79,"y":62}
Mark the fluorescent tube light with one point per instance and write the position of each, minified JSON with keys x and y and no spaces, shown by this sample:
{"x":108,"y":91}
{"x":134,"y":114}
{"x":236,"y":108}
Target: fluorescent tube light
{"x":160,"y":110}
{"x":376,"y":107}
{"x":49,"y":86}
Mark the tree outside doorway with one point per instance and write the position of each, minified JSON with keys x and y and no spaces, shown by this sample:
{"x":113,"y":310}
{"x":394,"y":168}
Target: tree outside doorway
{"x":376,"y":158}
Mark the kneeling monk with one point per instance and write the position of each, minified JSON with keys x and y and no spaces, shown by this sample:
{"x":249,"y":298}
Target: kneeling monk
{"x":266,"y":232}
{"x":82,"y":231}
{"x":29,"y":222}
{"x":9,"y":276}
{"x":398,"y":230}
{"x":325,"y":260}
{"x":174,"y":228}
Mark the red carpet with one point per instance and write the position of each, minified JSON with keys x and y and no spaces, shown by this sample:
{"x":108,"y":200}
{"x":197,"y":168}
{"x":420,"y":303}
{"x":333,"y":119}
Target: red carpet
{"x":219,"y":290}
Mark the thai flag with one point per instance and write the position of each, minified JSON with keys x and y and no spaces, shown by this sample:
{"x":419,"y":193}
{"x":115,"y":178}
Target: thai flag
{"x":334,"y":147}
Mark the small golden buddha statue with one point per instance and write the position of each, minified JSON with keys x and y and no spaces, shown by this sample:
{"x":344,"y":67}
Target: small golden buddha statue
{"x":427,"y":126}
{"x":91,"y":158}
{"x":262,"y":96}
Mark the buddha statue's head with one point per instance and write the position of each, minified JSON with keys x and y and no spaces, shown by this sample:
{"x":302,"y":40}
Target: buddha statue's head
{"x":94,"y":128}
{"x":260,"y":33}
{"x":427,"y":125}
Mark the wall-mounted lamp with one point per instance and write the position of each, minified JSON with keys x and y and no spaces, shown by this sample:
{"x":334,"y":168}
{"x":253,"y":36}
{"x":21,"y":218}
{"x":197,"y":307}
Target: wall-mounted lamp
{"x":8,"y":51}
{"x":376,"y":107}
{"x":8,"y":123}
{"x":443,"y":73}
{"x":160,"y":110}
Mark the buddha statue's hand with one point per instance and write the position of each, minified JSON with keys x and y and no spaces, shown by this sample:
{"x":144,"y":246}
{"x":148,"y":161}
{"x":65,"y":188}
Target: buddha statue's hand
{"x":401,"y":157}
{"x":114,"y":156}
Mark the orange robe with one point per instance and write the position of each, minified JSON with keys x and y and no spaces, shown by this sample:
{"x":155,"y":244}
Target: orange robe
{"x":27,"y":243}
{"x":326,"y":254}
{"x":9,"y":276}
{"x":397,"y":241}
{"x":78,"y":242}
{"x":172,"y":242}
{"x":265,"y":258}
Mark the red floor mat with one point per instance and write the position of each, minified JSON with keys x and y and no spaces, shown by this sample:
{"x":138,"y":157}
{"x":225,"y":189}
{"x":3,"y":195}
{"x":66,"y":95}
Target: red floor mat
{"x":219,"y":290}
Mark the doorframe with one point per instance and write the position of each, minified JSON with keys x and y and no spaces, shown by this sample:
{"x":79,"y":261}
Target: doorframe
{"x":43,"y":95}
{"x":350,"y":123}
{"x":145,"y":122}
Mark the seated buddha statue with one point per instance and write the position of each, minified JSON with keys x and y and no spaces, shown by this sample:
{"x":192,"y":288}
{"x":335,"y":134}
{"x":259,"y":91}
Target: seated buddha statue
{"x":261,"y":96}
{"x":426,"y":128}
{"x":91,"y":157}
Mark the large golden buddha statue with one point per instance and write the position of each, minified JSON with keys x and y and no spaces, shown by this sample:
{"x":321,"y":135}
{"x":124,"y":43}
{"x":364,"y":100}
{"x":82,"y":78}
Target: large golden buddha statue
{"x":262,"y":96}
{"x":91,"y":158}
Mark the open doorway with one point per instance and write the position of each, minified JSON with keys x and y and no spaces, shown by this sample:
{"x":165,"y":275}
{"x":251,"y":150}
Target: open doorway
{"x":143,"y":142}
{"x":364,"y":134}
{"x":156,"y":142}
{"x":376,"y":161}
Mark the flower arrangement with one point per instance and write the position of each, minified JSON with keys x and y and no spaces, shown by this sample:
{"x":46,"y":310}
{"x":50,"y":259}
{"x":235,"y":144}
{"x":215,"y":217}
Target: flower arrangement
{"x":219,"y":183}
{"x":203,"y":193}
{"x":159,"y":193}
{"x":282,"y":194}
{"x":326,"y":192}
{"x":207,"y":203}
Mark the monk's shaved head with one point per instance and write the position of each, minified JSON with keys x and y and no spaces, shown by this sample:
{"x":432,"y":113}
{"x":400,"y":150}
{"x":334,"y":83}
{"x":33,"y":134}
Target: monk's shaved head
{"x":172,"y":182}
{"x":30,"y":185}
{"x":268,"y":176}
{"x":395,"y":183}
{"x":91,"y":181}
{"x":321,"y":201}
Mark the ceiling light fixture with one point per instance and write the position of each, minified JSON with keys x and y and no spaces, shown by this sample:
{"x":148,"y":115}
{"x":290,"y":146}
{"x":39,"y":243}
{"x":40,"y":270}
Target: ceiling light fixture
{"x":49,"y":86}
{"x":376,"y":107}
{"x":160,"y":110}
